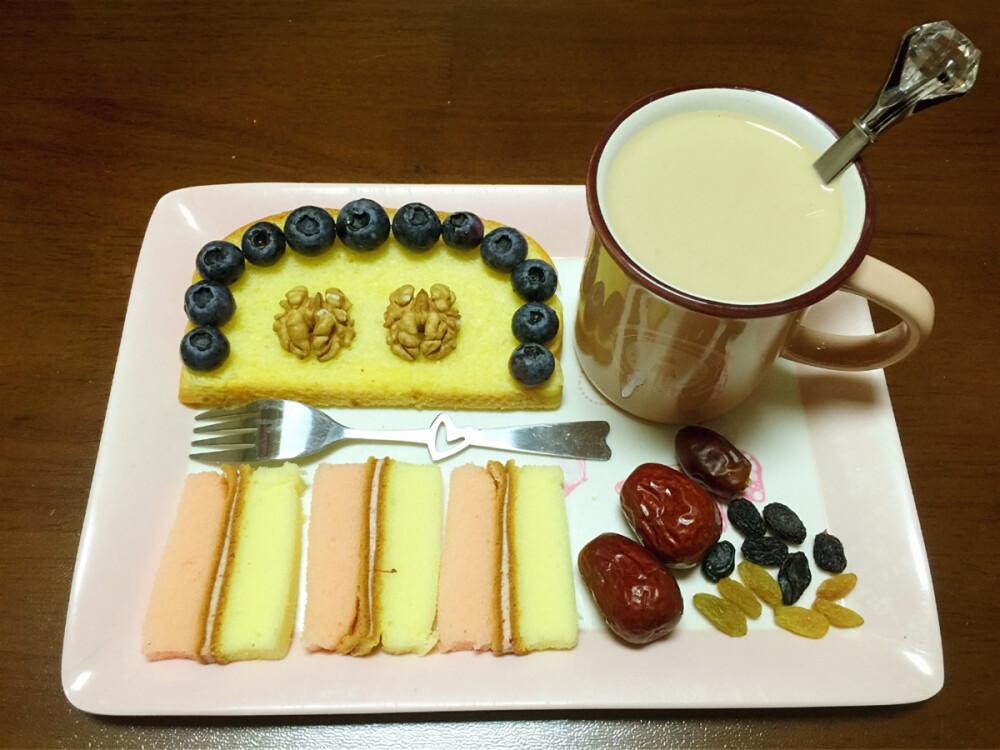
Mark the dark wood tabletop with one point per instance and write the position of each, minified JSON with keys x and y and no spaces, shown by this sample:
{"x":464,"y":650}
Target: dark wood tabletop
{"x":107,"y":106}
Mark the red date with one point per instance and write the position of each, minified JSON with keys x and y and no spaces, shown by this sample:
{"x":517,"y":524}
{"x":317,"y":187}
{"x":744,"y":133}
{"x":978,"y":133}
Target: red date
{"x":671,"y":514}
{"x":712,"y":461}
{"x":637,"y":596}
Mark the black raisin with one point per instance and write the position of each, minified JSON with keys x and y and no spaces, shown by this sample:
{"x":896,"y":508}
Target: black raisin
{"x":745,"y":518}
{"x":794,"y":577}
{"x":765,"y":550}
{"x":783,"y":522}
{"x":719,"y":562}
{"x":828,"y":552}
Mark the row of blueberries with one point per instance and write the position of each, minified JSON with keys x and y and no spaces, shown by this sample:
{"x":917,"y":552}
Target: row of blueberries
{"x":364,"y":225}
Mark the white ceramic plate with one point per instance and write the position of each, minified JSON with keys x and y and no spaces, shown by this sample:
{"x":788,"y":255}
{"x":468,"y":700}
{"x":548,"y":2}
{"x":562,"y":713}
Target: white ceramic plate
{"x":826,"y":443}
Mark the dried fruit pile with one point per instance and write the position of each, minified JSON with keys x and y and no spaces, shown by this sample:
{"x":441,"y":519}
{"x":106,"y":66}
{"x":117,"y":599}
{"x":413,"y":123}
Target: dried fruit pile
{"x":716,"y":464}
{"x":675,"y":516}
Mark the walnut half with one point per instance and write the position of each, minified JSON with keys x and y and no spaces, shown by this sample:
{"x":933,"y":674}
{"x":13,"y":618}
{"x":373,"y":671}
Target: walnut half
{"x":320,"y":325}
{"x":422,"y":324}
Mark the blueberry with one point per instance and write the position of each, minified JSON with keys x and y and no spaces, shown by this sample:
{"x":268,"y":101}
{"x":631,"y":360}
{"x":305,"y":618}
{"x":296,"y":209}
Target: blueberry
{"x":310,"y":230}
{"x":363,"y":225}
{"x":209,"y":303}
{"x":204,"y":348}
{"x":531,"y":364}
{"x":503,"y":248}
{"x":462,"y":230}
{"x":534,"y":323}
{"x":220,"y":261}
{"x":263,"y":244}
{"x":416,"y":227}
{"x":534,"y":280}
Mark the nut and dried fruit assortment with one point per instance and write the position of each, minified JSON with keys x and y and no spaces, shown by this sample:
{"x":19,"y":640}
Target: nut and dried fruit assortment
{"x":768,"y":535}
{"x":675,"y":516}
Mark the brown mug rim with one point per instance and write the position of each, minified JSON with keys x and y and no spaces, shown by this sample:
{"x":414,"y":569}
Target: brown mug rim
{"x":702,"y":304}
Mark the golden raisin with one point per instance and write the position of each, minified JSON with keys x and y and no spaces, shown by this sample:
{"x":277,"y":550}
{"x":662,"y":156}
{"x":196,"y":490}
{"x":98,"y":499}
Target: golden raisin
{"x":838,"y":616}
{"x":762,"y":583}
{"x":741,"y":596}
{"x":801,"y":621}
{"x":837,"y":587}
{"x":725,"y":616}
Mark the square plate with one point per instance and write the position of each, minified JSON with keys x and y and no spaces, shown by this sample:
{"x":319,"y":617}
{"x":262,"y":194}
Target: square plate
{"x":825,"y":444}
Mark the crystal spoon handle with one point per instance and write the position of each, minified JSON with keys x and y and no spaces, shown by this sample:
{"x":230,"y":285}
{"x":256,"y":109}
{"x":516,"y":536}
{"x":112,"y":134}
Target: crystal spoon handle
{"x":935,"y":62}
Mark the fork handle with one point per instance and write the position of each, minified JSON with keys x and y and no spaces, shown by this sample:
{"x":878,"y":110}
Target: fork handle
{"x":586,"y":440}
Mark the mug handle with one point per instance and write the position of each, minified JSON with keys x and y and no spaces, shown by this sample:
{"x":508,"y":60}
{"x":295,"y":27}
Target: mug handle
{"x":888,"y":287}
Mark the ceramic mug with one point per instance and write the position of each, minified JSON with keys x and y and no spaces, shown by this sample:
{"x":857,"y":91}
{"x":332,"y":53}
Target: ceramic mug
{"x":668,"y":355}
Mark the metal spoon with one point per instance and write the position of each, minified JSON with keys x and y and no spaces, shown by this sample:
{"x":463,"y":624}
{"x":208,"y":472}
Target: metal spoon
{"x":935,"y":62}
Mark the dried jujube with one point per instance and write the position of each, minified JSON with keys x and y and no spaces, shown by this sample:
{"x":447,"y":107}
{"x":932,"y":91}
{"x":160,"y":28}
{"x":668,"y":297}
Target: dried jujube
{"x":637,"y":595}
{"x":671,"y":514}
{"x":712,"y":461}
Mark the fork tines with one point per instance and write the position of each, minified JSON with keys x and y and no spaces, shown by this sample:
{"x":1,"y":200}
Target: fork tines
{"x":235,"y":429}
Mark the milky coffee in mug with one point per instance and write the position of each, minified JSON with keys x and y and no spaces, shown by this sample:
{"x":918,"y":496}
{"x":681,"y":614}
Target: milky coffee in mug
{"x":713,"y":235}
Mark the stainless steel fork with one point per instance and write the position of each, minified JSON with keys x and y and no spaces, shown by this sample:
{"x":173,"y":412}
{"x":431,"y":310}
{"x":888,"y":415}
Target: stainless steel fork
{"x":276,"y":430}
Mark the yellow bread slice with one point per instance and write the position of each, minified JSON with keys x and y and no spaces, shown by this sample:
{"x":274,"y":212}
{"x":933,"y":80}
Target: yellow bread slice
{"x":469,"y":615}
{"x":367,"y":373}
{"x":337,"y":605}
{"x":542,"y":597}
{"x":174,"y":627}
{"x":256,"y":609}
{"x":407,"y":556}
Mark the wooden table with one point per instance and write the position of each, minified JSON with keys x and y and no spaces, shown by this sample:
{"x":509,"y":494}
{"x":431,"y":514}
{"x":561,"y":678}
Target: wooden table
{"x":105,"y":107}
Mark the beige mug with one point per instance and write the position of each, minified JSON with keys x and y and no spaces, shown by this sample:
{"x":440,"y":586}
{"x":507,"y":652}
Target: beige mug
{"x":666,"y":353}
